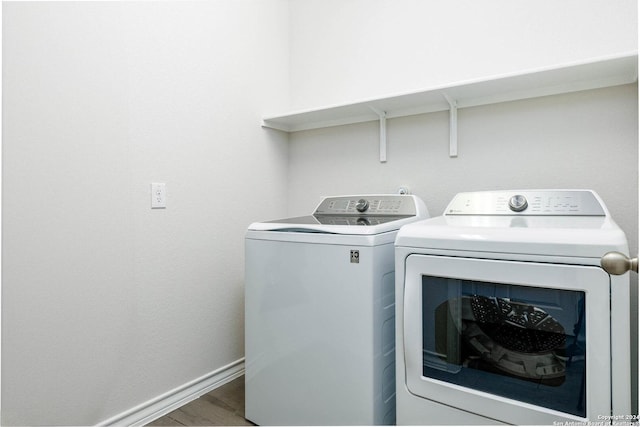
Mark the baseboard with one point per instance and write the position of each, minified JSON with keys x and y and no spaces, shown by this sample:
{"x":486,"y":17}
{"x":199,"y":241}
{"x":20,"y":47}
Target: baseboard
{"x":171,"y":400}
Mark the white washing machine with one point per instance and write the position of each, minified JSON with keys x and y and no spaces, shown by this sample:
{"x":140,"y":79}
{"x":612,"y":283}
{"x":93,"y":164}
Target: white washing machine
{"x":505,"y":315}
{"x":319,"y":313}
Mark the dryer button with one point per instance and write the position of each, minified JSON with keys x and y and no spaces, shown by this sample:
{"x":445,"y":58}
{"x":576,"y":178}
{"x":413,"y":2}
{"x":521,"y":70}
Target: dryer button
{"x":518,"y":203}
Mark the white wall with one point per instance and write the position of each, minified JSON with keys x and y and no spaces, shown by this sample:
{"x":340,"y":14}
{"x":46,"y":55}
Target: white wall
{"x":343,"y":51}
{"x":107,"y":303}
{"x":348,"y":50}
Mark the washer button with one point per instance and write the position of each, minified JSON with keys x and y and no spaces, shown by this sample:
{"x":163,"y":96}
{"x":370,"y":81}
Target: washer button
{"x":362,"y":205}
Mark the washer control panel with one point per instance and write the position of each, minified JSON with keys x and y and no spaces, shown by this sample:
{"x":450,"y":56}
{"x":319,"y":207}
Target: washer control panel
{"x":527,"y":202}
{"x":369,"y":205}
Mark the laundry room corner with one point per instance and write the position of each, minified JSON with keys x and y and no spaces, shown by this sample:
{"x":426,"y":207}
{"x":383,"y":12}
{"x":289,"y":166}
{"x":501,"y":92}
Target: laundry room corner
{"x":161,"y":162}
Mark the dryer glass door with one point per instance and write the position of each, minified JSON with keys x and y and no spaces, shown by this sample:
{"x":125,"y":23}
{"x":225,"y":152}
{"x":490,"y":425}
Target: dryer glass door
{"x":508,"y":338}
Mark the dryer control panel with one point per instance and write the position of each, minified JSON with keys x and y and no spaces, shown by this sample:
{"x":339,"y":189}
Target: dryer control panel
{"x":527,"y":202}
{"x":369,"y":205}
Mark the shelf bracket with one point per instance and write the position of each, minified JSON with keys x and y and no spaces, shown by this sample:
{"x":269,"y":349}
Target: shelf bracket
{"x":383,"y":133}
{"x":453,"y":126}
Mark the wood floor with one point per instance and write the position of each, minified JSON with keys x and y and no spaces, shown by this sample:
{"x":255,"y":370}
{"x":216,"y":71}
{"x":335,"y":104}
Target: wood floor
{"x":223,"y":406}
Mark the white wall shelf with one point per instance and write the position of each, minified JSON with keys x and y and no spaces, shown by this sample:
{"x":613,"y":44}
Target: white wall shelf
{"x":598,"y":73}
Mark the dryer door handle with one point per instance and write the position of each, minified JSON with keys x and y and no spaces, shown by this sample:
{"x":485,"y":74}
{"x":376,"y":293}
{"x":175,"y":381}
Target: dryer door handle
{"x":618,"y":263}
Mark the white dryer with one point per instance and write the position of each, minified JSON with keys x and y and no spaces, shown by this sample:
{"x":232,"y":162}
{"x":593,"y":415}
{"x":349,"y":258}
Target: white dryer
{"x":504,"y":314}
{"x":319,"y":313}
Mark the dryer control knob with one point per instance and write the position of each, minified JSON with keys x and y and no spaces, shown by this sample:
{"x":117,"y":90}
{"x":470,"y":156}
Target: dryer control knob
{"x":518,"y":203}
{"x":362,"y":205}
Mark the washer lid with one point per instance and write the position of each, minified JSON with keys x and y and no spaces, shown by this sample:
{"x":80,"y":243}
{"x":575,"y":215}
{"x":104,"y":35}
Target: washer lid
{"x":359,"y":215}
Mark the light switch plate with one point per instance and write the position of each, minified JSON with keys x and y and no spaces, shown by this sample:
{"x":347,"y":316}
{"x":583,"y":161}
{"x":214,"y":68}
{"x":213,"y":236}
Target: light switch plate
{"x":158,"y":195}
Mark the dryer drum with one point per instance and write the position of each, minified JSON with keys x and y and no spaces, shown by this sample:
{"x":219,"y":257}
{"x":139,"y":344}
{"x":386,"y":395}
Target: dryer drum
{"x":504,"y":336}
{"x":516,"y":326}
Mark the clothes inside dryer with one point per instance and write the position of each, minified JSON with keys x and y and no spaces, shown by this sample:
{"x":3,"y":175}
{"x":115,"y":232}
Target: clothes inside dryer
{"x":519,"y":342}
